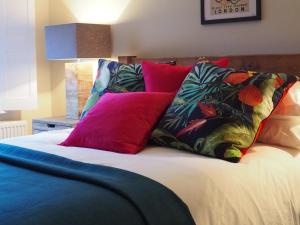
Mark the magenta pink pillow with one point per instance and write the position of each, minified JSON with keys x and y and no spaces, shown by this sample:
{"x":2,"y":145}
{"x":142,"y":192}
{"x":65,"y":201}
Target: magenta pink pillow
{"x":120,"y":122}
{"x":168,"y":78}
{"x":163,"y":77}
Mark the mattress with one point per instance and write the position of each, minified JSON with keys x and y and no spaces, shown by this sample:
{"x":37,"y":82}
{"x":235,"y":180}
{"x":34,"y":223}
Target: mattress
{"x":262,"y":189}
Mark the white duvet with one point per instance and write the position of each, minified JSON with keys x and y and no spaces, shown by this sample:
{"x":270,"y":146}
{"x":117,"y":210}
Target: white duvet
{"x":263,"y":189}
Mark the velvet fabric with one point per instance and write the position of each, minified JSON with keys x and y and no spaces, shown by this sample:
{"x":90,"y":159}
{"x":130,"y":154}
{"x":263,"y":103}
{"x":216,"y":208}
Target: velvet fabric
{"x":163,"y":77}
{"x":168,"y":78}
{"x":120,"y":122}
{"x":219,"y":112}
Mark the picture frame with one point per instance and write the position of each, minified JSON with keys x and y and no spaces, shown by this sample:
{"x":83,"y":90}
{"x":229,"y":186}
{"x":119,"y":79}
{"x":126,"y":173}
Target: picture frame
{"x":228,"y":11}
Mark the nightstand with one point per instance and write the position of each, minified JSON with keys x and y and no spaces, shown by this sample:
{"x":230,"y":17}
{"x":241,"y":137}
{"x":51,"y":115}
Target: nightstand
{"x":48,"y":124}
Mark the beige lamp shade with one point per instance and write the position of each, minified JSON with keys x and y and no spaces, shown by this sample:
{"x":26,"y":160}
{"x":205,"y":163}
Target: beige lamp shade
{"x":78,"y":40}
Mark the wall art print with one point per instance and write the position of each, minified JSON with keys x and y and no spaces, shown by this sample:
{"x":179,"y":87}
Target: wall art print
{"x":225,"y":11}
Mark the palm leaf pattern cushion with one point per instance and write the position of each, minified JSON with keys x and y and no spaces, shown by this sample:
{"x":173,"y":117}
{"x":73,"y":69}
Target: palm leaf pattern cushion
{"x":114,"y":77}
{"x":218,"y":111}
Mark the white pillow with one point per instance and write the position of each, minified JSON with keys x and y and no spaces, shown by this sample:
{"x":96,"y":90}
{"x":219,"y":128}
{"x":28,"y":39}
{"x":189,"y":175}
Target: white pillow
{"x":283,"y":127}
{"x":290,"y":106}
{"x":282,"y":130}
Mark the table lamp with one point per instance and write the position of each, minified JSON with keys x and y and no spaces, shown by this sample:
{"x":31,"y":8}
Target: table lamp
{"x":77,"y":41}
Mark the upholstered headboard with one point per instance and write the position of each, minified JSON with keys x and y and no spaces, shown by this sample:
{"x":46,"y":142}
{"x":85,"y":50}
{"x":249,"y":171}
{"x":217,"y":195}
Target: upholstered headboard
{"x":265,"y":63}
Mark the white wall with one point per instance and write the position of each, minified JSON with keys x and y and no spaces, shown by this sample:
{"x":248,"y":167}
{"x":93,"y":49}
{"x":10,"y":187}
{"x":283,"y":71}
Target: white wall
{"x":157,"y":28}
{"x":173,"y":28}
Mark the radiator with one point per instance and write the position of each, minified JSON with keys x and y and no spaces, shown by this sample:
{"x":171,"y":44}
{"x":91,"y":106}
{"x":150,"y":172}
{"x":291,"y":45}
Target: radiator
{"x":10,"y":129}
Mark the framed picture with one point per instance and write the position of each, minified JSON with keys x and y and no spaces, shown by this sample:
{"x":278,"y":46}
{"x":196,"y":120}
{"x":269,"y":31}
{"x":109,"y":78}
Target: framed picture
{"x":227,"y":11}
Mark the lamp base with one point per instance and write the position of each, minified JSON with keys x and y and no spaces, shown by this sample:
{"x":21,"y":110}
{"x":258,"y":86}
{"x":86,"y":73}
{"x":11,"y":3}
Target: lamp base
{"x":79,"y":81}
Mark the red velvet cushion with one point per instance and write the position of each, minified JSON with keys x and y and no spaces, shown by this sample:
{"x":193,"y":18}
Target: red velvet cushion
{"x":168,"y":78}
{"x":222,"y":62}
{"x":120,"y":122}
{"x":163,"y":77}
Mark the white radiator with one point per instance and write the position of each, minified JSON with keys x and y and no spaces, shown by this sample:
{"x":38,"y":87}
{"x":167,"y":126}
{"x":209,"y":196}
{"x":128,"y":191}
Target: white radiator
{"x":10,"y":129}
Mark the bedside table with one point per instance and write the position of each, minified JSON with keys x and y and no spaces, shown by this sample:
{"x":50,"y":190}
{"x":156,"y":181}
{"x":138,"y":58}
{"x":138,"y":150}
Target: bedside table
{"x":48,"y":124}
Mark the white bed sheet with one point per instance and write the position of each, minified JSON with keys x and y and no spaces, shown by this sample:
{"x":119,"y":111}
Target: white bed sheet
{"x":263,"y":189}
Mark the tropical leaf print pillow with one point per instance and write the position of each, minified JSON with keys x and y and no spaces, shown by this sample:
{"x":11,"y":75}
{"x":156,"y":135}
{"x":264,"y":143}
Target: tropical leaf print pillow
{"x":218,"y":111}
{"x":114,"y":77}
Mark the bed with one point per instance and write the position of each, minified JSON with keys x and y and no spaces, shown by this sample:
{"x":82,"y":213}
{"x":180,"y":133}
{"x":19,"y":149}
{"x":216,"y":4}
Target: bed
{"x":262,"y":189}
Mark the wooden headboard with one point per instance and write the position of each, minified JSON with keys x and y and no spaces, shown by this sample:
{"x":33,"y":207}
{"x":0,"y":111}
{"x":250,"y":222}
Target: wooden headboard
{"x":289,"y":64}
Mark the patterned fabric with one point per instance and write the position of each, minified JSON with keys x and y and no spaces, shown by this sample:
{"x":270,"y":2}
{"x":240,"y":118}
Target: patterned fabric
{"x":114,"y":77}
{"x":218,"y":111}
